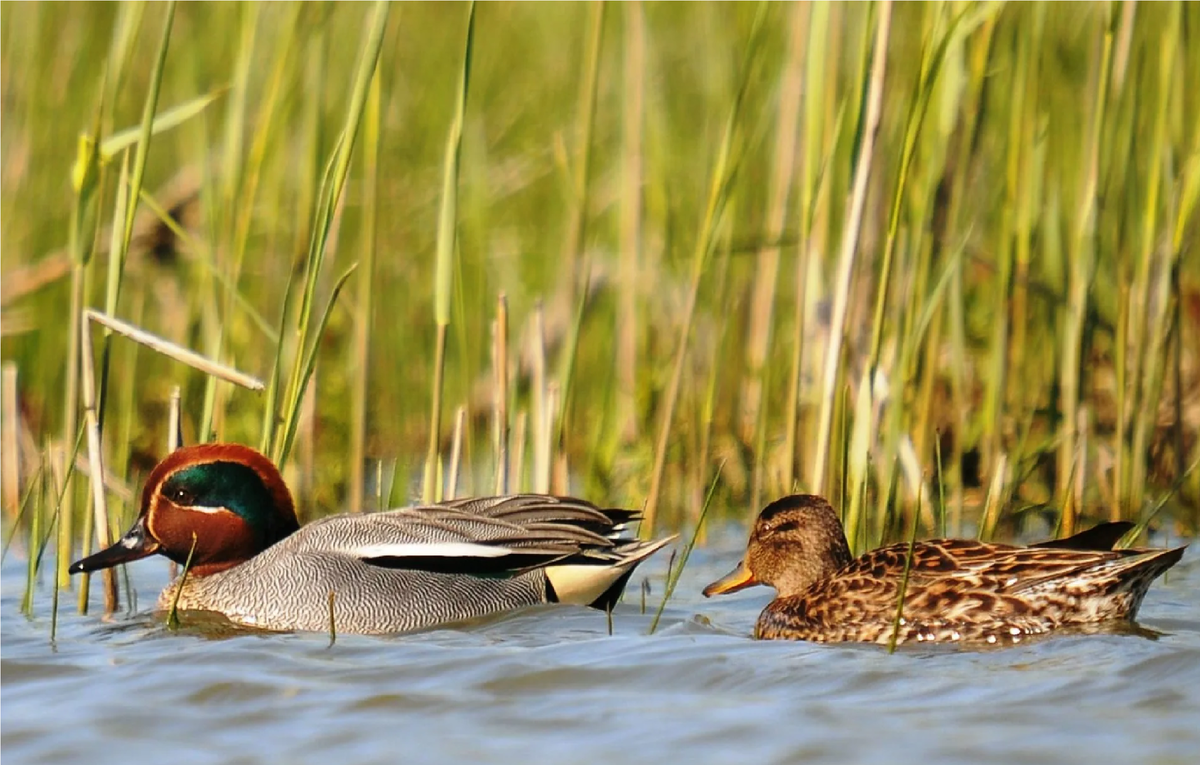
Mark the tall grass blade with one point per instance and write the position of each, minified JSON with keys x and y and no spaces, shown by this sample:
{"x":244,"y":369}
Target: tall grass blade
{"x":677,"y":571}
{"x":365,"y":306}
{"x":447,"y":238}
{"x":328,"y":205}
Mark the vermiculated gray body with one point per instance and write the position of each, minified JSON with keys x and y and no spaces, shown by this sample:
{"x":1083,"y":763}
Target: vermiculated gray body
{"x":283,"y":589}
{"x":375,"y":567}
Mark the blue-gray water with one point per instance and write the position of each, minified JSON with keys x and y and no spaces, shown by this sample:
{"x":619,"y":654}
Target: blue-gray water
{"x":551,"y":685}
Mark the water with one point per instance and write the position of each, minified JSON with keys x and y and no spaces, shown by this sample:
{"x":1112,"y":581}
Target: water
{"x":551,"y":685}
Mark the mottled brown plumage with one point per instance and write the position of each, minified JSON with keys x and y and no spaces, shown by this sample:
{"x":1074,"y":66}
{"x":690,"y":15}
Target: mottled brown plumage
{"x":958,"y":590}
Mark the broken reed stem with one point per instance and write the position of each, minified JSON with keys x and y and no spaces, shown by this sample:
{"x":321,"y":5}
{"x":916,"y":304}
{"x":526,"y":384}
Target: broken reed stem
{"x":173,"y":351}
{"x":854,"y":216}
{"x":174,"y":419}
{"x":460,"y":424}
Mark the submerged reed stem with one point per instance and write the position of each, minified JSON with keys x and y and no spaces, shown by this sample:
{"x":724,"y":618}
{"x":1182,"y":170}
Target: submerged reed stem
{"x":674,"y":572}
{"x":908,"y":562}
{"x":173,"y":613}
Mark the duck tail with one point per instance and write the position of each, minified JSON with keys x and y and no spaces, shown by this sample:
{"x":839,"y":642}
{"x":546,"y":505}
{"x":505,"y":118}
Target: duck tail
{"x":600,"y":584}
{"x":1150,"y":564}
{"x":1101,"y":537}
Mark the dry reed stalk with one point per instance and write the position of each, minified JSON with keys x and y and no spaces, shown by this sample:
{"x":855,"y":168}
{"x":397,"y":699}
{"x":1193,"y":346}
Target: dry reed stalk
{"x":517,"y":481}
{"x":500,"y":362}
{"x":174,"y":420}
{"x":10,"y":470}
{"x":849,"y":251}
{"x":995,"y":499}
{"x":541,"y":443}
{"x":96,"y":462}
{"x":544,"y":445}
{"x":809,"y":194}
{"x":173,"y":351}
{"x":456,"y":446}
{"x":630,"y":236}
{"x":766,"y":273}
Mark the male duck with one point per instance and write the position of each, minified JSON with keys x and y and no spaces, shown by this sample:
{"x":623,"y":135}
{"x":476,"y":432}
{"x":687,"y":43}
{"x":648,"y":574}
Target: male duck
{"x":958,"y":590}
{"x":380,"y":572}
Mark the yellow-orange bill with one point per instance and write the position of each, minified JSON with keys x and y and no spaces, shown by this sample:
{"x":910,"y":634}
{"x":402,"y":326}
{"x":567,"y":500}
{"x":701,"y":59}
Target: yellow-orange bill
{"x":738,"y":579}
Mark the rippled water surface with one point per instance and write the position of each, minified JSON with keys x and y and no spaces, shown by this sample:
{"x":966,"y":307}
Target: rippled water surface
{"x":551,"y":685}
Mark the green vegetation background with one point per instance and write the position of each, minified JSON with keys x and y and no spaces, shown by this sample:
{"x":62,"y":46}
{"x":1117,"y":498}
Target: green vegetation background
{"x":1050,"y":157}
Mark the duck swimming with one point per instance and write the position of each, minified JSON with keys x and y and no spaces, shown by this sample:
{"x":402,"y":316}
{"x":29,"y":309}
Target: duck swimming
{"x":383,"y":572}
{"x":958,"y":590}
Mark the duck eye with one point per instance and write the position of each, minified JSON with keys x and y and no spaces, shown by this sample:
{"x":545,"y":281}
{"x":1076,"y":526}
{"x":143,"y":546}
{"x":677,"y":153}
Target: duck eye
{"x":181,"y":496}
{"x":781,"y":527}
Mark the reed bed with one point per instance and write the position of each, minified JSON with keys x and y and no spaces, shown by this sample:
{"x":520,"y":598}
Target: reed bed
{"x":938,"y":261}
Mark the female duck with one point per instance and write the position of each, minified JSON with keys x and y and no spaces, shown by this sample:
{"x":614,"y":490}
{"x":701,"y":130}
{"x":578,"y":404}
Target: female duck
{"x":227,"y":507}
{"x":958,"y":590}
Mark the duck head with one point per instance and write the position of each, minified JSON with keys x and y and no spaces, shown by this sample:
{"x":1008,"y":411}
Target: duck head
{"x":226,"y":499}
{"x":796,"y":541}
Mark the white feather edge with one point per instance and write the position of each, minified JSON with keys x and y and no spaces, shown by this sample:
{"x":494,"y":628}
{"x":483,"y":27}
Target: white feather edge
{"x":430,"y":550}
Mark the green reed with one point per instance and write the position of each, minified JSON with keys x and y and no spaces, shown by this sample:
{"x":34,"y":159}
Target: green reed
{"x":447,"y":237}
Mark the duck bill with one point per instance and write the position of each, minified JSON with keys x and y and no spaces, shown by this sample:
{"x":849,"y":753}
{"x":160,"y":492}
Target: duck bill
{"x":136,"y":544}
{"x":738,"y":579}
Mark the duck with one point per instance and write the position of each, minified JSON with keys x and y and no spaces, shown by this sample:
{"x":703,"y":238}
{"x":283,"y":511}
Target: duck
{"x":958,"y":591}
{"x":224,"y":512}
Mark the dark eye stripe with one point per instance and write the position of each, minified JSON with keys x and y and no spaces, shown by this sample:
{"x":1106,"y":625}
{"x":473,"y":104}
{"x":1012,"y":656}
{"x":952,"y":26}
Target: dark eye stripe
{"x":785,"y":526}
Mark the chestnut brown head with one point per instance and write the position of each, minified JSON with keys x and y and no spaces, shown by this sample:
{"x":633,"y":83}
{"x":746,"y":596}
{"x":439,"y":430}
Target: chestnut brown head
{"x":226,"y":500}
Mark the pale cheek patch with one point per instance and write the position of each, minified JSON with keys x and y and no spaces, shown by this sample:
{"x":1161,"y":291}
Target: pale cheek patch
{"x":205,"y":510}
